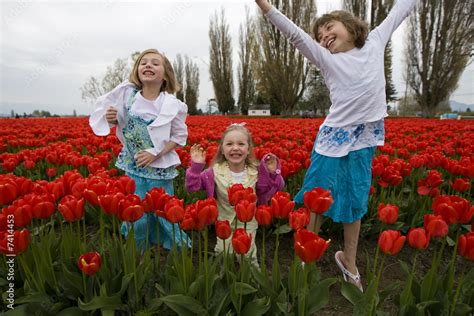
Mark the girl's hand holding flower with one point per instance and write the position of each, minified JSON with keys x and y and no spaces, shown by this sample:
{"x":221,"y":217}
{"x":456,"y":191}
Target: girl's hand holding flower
{"x":198,"y":154}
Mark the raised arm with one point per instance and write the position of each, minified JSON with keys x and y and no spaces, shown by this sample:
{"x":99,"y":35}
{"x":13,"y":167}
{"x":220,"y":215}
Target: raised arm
{"x":269,"y":180}
{"x":399,"y":12}
{"x":298,"y":37}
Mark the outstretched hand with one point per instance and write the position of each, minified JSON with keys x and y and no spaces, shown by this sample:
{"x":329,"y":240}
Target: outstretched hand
{"x":264,"y":5}
{"x":198,"y":154}
{"x":271,"y":163}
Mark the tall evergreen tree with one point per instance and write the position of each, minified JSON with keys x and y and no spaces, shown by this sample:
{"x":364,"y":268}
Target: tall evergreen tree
{"x":221,"y":71}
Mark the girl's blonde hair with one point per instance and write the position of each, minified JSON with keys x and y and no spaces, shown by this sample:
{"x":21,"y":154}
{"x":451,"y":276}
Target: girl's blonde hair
{"x":250,"y":160}
{"x":170,"y":84}
{"x":355,"y":26}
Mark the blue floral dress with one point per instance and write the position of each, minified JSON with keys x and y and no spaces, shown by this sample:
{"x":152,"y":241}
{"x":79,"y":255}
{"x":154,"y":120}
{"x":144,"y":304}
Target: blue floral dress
{"x":137,"y":138}
{"x":342,"y":163}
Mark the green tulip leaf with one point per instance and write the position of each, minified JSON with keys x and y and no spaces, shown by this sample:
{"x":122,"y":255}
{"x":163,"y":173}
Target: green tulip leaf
{"x":34,"y":298}
{"x":351,"y":293}
{"x":244,"y":287}
{"x":71,"y":311}
{"x":319,"y":296}
{"x":450,"y":241}
{"x":463,"y":309}
{"x":19,"y":310}
{"x":100,"y":302}
{"x":283,"y":229}
{"x":256,"y":307}
{"x":196,"y":287}
{"x":183,"y":305}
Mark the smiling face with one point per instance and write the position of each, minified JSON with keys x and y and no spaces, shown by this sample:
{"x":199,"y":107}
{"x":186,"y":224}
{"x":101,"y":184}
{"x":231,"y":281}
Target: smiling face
{"x":235,"y":148}
{"x":335,"y":37}
{"x":151,"y":69}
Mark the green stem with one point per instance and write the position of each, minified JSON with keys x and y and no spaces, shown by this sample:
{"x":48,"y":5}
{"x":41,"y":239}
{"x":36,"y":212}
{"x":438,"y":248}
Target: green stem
{"x":264,"y":262}
{"x":86,"y":296}
{"x":183,"y":260}
{"x":206,"y":268}
{"x":458,"y":289}
{"x":146,"y":231}
{"x":24,"y":265}
{"x":158,"y":246}
{"x":125,"y":270}
{"x":84,"y":229}
{"x":199,"y":254}
{"x":241,"y":282}
{"x":305,"y":289}
{"x":134,"y":264}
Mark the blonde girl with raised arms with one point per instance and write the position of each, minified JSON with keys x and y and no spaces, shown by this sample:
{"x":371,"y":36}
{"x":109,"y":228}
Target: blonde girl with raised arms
{"x":351,"y":61}
{"x":234,"y":163}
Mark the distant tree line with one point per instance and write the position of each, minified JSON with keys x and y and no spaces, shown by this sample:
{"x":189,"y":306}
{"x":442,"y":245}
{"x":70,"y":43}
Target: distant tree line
{"x":271,"y":71}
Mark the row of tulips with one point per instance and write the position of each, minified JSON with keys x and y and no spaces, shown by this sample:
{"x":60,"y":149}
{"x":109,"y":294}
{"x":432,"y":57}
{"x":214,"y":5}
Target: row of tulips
{"x":422,"y":165}
{"x":448,"y":210}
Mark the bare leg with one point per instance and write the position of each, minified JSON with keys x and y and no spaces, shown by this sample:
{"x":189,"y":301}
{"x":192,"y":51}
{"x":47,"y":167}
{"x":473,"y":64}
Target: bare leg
{"x":315,"y":222}
{"x":351,"y":239}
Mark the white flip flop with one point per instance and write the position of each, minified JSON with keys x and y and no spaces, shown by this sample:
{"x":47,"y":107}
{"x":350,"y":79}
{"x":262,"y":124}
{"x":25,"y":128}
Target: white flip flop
{"x":355,"y":278}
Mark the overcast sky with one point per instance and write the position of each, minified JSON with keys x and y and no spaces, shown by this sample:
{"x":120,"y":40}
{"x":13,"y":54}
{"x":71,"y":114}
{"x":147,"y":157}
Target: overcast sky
{"x":50,"y":48}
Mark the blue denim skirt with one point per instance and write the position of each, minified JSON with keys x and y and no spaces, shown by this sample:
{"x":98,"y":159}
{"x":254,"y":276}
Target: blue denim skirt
{"x":348,"y":178}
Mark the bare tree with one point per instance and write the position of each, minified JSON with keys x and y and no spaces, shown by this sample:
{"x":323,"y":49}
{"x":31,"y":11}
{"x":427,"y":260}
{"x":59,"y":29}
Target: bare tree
{"x":114,"y":75}
{"x":220,"y":67}
{"x":439,"y":47}
{"x":192,"y":85}
{"x":178,"y":68}
{"x":246,"y":56}
{"x":356,"y":7}
{"x":282,"y":70}
{"x":318,"y":94}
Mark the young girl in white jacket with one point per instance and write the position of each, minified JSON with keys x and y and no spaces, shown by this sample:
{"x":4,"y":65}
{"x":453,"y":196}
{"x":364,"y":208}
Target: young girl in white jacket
{"x":150,"y":124}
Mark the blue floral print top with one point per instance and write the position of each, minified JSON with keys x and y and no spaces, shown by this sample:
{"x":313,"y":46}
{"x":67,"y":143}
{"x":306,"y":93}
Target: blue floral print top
{"x":339,"y":141}
{"x":136,"y":139}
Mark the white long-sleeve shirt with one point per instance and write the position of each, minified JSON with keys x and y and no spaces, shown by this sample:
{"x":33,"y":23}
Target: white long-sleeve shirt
{"x":169,"y":124}
{"x":355,"y":78}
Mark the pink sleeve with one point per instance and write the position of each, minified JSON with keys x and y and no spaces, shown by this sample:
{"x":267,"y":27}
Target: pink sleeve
{"x":268,"y":183}
{"x":196,"y":179}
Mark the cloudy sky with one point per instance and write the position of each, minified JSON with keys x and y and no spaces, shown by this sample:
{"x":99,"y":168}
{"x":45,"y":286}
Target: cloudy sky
{"x":50,"y":48}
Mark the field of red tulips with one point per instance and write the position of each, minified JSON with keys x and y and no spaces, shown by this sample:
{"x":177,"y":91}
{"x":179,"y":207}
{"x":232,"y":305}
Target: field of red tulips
{"x":62,"y":202}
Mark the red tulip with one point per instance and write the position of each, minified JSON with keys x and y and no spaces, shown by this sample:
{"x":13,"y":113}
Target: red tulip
{"x":466,"y":246}
{"x":71,"y":208}
{"x":130,"y":209}
{"x":110,"y":203}
{"x":206,"y":213}
{"x":318,"y":200}
{"x":299,"y":219}
{"x":435,"y":225}
{"x":391,"y":242}
{"x":264,"y":215}
{"x":174,"y":210}
{"x":461,"y":185}
{"x":56,"y":189}
{"x":125,"y":185}
{"x":8,"y":191}
{"x":453,"y":209}
{"x":281,"y":205}
{"x":95,"y":186}
{"x":309,"y":246}
{"x":153,"y":200}
{"x":43,"y":206}
{"x":237,"y":193}
{"x":20,"y":214}
{"x":241,"y":241}
{"x":89,"y":263}
{"x":188,"y":223}
{"x":418,"y":238}
{"x":223,"y":230}
{"x":431,"y":182}
{"x":245,"y":210}
{"x":51,"y":172}
{"x":29,"y":164}
{"x":388,"y":214}
{"x":16,"y":243}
